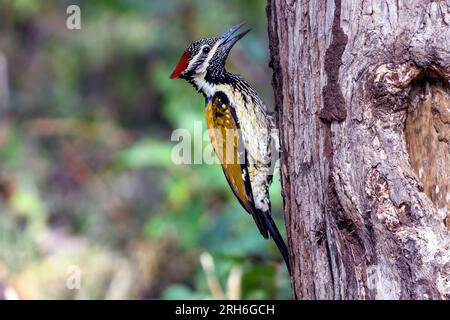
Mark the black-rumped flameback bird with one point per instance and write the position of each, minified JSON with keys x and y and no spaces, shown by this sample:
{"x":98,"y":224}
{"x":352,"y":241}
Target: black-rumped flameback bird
{"x":241,"y":130}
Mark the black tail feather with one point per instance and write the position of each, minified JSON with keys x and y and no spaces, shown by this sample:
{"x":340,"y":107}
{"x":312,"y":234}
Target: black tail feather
{"x":277,"y":238}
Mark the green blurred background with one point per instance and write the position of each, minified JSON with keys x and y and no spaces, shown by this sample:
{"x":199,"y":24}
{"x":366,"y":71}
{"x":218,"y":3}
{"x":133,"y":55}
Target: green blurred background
{"x":86,"y":177}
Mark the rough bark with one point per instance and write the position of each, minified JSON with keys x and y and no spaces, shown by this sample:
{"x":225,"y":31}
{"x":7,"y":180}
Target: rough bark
{"x":362,"y":92}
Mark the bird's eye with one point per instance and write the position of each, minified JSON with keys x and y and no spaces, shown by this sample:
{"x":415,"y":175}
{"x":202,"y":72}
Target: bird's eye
{"x":206,"y":49}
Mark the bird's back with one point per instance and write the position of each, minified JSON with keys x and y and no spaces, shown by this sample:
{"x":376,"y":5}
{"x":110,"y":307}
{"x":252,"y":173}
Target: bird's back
{"x":254,"y":121}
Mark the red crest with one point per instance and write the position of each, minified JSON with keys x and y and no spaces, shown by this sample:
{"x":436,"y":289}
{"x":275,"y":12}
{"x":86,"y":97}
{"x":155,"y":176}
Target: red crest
{"x":182,"y":64}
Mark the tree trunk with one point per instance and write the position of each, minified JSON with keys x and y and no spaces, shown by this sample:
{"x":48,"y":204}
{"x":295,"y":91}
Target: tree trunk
{"x":363,"y":103}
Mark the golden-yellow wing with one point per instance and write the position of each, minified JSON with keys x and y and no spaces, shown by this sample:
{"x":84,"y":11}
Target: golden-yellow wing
{"x":226,"y":139}
{"x":223,"y":128}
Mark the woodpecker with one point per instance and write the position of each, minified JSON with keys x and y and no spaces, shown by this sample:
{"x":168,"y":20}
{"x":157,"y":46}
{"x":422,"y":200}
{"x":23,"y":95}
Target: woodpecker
{"x":241,"y":130}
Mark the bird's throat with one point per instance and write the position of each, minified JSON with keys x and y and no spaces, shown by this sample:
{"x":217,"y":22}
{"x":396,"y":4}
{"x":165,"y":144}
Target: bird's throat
{"x":201,"y":85}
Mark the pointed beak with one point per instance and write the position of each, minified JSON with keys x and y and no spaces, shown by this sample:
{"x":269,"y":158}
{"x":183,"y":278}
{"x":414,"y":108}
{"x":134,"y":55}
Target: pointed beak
{"x":229,"y":38}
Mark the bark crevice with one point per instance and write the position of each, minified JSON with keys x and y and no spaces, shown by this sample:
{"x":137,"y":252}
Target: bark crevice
{"x":334,"y":107}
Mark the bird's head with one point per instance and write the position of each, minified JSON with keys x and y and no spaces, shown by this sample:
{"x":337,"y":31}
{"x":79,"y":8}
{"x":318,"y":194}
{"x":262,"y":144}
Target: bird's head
{"x":205,"y":58}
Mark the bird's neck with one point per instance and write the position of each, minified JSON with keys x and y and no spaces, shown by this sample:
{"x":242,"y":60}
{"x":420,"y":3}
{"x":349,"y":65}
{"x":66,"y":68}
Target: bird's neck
{"x":208,"y":84}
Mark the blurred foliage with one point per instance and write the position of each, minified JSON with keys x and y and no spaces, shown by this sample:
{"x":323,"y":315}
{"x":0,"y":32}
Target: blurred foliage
{"x":86,"y":176}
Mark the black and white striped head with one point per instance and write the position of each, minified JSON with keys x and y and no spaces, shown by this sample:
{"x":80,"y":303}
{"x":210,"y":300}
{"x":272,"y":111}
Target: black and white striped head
{"x":204,"y":60}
